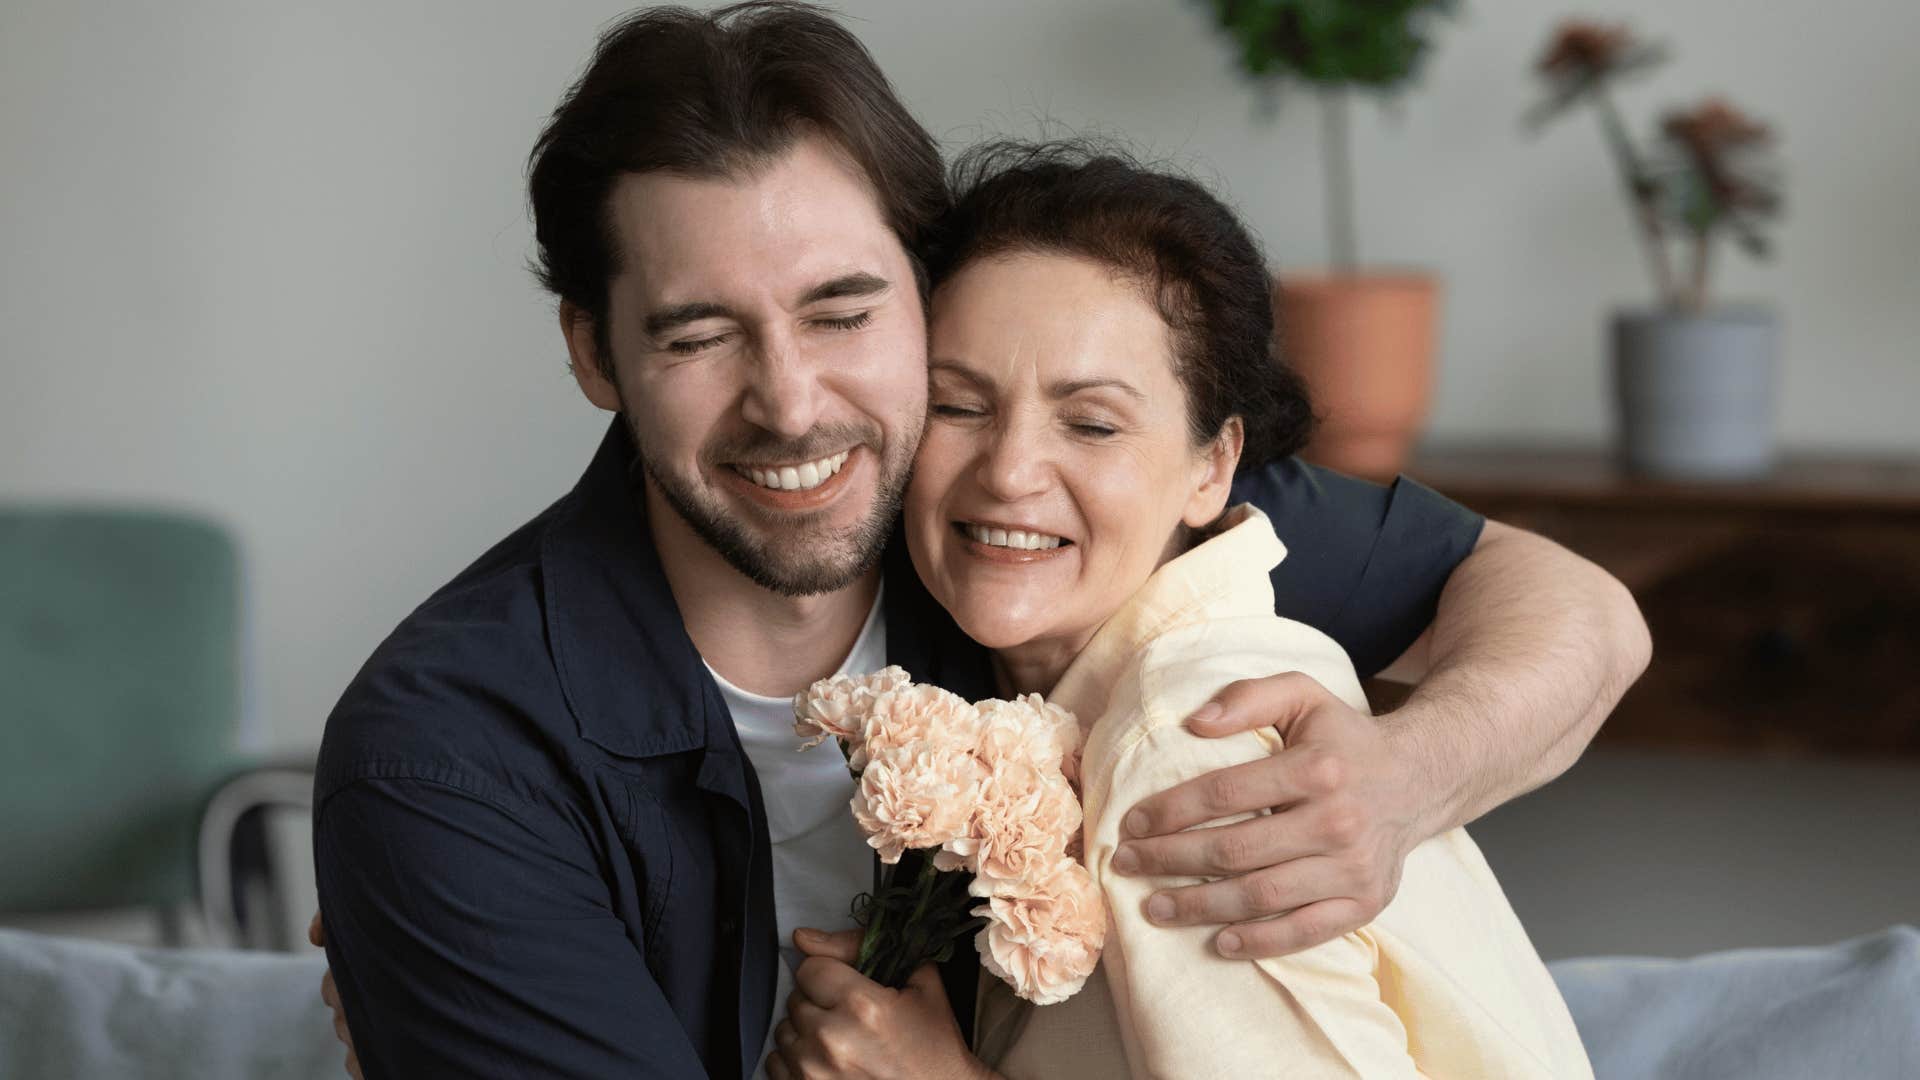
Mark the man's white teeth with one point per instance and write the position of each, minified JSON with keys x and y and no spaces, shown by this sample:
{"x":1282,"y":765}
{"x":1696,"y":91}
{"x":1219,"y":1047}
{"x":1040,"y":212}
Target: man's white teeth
{"x":1012,"y":538}
{"x":797,"y":477}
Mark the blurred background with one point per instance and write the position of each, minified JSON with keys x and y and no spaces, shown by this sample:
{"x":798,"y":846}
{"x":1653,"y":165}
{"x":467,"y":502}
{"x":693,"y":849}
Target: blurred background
{"x":262,"y":280}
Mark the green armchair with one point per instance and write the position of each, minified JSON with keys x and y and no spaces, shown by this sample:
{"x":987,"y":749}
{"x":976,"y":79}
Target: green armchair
{"x":119,"y":700}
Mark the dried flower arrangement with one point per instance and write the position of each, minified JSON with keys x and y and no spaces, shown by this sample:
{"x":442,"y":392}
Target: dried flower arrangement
{"x":1710,"y":173}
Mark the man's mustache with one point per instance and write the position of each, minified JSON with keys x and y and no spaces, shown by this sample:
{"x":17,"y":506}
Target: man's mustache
{"x":761,"y":447}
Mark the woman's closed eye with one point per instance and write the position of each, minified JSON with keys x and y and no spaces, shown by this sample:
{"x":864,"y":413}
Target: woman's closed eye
{"x":954,"y":410}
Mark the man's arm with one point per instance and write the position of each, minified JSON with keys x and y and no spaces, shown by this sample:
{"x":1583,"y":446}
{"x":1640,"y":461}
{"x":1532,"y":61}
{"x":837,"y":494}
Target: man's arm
{"x":470,"y":936}
{"x":1529,"y":648}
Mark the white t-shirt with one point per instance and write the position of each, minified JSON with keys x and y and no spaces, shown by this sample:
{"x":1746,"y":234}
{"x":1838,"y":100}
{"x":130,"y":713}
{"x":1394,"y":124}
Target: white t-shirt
{"x":820,"y":859}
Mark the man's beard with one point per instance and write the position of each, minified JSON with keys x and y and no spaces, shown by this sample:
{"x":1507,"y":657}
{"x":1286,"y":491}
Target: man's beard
{"x":805,"y":557}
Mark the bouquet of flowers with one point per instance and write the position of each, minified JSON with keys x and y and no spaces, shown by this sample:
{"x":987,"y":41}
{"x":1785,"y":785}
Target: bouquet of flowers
{"x":983,"y":795}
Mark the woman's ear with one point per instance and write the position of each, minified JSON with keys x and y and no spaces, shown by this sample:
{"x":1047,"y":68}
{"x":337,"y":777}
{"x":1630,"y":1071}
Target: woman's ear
{"x":583,"y":357}
{"x":1214,"y":475}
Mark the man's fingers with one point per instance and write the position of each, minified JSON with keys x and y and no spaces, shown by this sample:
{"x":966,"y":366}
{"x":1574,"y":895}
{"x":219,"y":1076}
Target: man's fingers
{"x":1290,"y":885}
{"x":340,"y":1030}
{"x":1296,"y":931}
{"x":317,"y":933}
{"x":1273,"y":701}
{"x":841,"y":945}
{"x":1282,"y":778}
{"x":1244,"y":846}
{"x":777,"y":1068}
{"x":328,"y":992}
{"x":353,"y":1066}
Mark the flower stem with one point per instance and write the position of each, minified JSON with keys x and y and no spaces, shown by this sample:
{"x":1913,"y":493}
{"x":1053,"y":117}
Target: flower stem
{"x":1640,"y":191}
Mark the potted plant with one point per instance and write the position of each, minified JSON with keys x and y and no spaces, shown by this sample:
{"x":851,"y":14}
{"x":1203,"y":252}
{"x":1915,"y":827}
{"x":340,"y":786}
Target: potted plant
{"x":1693,"y":378}
{"x":1364,"y":341}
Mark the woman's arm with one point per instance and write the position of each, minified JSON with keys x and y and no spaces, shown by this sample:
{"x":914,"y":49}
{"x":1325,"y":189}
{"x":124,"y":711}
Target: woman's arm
{"x":1184,"y":1009}
{"x":1531,"y":648}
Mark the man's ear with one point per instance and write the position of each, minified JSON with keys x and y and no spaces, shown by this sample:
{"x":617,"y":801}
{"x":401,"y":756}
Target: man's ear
{"x":583,"y":353}
{"x":1214,"y":482}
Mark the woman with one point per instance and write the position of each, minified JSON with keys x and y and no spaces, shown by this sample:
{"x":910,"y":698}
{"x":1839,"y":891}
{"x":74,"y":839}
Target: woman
{"x":1099,"y":369}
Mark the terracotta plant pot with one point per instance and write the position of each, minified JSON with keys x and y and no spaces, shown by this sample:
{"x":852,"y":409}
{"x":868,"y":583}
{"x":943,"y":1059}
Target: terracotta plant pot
{"x":1364,"y":343}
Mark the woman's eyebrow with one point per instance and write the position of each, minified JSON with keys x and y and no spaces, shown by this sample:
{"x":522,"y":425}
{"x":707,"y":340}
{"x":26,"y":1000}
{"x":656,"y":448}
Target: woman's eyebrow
{"x":1068,"y":387}
{"x":957,"y":368}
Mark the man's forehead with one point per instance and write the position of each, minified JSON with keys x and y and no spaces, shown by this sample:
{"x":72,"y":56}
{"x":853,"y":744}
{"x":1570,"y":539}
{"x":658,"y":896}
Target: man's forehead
{"x":785,"y":225}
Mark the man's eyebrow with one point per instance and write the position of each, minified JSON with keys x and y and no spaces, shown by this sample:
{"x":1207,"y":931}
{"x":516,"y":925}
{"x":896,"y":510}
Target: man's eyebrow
{"x":672,"y":318}
{"x":855,"y":284}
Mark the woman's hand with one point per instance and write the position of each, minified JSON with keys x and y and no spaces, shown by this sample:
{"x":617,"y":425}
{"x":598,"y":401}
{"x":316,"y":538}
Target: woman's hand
{"x":842,"y":1024}
{"x":317,"y":934}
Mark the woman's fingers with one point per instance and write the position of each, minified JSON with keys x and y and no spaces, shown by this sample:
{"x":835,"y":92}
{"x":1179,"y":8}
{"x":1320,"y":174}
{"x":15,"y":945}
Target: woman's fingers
{"x":317,"y":933}
{"x":805,"y":1017}
{"x":829,"y":983}
{"x":841,"y":945}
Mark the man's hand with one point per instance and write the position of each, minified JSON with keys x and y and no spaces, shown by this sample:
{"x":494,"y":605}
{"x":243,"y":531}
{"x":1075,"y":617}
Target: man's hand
{"x":842,"y":1024}
{"x":317,"y":934}
{"x":1346,"y":811}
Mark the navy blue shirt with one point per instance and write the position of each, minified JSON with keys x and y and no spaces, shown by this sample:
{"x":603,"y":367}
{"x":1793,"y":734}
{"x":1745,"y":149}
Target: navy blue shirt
{"x":540,"y":848}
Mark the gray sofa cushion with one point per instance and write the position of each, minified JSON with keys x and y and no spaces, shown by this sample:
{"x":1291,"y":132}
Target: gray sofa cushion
{"x":73,"y":1008}
{"x":1845,"y":1010}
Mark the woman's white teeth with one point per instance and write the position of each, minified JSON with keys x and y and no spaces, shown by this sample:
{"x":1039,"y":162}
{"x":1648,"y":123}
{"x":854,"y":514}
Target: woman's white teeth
{"x":1012,"y":538}
{"x":798,"y":477}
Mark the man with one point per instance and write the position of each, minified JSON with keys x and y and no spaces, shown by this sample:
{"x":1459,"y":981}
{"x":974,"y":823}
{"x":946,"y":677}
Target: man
{"x":559,"y":827}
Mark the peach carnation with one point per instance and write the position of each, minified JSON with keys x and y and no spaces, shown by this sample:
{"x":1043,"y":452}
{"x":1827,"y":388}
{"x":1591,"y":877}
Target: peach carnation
{"x":916,"y":796}
{"x":1045,"y":941}
{"x":838,"y":707}
{"x":1025,"y":820}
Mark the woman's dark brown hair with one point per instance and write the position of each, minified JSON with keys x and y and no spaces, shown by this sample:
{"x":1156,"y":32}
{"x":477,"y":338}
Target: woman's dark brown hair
{"x":1197,"y":263}
{"x":719,"y":93}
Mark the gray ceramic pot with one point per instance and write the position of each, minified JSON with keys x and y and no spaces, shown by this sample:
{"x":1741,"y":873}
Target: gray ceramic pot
{"x":1696,"y":391}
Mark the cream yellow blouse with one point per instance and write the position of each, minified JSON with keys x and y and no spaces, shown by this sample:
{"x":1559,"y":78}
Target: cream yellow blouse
{"x":1443,"y":984}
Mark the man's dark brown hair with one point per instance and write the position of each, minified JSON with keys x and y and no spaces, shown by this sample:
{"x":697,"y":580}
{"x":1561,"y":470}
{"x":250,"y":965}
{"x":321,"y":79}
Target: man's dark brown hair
{"x":714,"y":94}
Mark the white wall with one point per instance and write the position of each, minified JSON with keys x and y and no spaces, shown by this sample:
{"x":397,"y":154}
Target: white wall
{"x":266,"y":259}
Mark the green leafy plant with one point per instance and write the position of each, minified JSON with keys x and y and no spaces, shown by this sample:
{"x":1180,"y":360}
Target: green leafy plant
{"x":1336,"y":47}
{"x":1709,"y":173}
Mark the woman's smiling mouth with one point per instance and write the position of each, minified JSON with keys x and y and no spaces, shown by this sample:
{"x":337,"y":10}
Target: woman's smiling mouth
{"x":997,"y":542}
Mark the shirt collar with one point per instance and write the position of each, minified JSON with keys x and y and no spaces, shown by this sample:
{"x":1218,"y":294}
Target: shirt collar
{"x":1223,"y":577}
{"x":634,"y":681}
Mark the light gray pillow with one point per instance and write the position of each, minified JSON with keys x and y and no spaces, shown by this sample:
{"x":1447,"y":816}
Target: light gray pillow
{"x":71,"y":1008}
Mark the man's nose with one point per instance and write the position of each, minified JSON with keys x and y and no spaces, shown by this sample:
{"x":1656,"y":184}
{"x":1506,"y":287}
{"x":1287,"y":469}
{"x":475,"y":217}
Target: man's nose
{"x":783,"y":393}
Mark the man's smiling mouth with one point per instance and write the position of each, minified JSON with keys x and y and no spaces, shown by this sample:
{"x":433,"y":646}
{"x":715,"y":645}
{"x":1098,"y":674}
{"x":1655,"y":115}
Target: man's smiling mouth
{"x":802,"y":477}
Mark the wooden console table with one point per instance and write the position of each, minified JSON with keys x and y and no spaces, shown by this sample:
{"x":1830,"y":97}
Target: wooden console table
{"x":1785,"y":612}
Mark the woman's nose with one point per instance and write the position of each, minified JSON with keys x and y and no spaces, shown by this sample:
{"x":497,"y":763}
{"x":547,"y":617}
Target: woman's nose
{"x":783,"y":393}
{"x":1013,"y":465}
